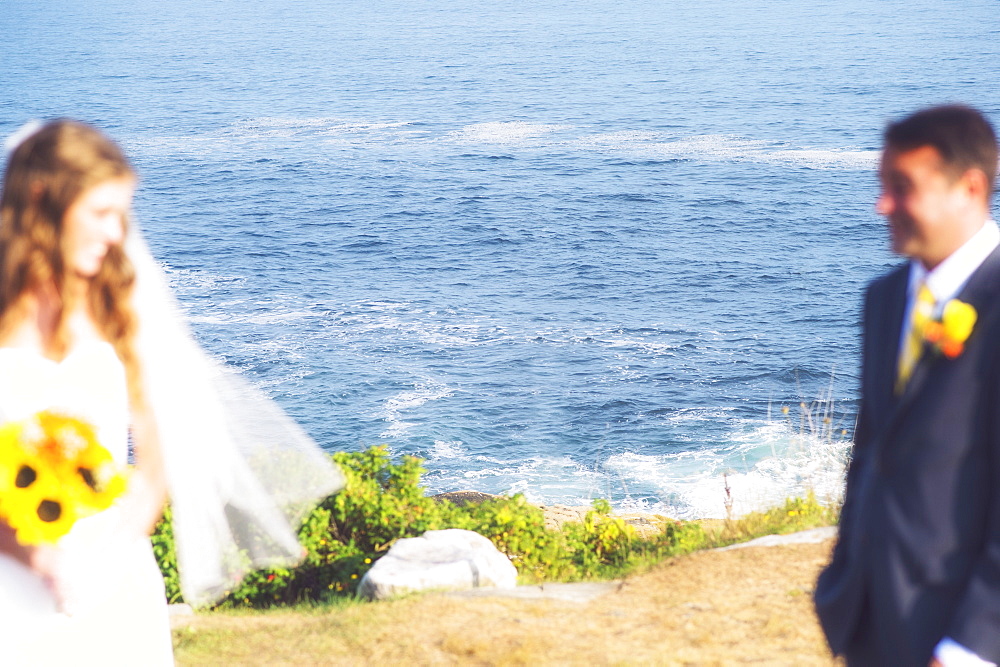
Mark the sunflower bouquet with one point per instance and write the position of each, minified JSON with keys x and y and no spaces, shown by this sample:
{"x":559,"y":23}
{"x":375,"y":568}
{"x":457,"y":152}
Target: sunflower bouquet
{"x":53,"y":471}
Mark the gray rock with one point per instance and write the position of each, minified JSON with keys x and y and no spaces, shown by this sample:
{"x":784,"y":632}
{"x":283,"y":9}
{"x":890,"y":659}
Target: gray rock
{"x":438,"y":560}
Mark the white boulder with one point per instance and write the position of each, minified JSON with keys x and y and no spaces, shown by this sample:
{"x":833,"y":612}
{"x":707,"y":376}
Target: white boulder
{"x":439,"y":560}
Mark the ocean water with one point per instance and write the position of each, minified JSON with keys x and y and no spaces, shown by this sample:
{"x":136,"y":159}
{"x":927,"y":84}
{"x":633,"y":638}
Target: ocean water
{"x":570,"y":249}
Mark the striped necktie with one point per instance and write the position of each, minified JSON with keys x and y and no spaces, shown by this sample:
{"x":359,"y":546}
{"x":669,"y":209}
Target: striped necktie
{"x":913,"y":344}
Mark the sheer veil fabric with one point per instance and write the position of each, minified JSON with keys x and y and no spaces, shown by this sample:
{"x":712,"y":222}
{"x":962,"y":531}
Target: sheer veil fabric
{"x":241,"y":473}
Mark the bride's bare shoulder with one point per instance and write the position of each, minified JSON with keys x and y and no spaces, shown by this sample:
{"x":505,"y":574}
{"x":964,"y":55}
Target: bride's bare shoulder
{"x":27,"y":333}
{"x":24,"y":323}
{"x":22,"y":335}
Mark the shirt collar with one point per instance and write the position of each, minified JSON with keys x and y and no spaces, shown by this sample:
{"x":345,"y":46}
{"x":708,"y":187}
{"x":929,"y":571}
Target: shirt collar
{"x":948,"y":278}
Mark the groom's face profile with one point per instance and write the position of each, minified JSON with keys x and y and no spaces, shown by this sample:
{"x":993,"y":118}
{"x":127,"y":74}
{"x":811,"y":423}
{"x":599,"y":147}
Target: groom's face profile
{"x":922,"y":203}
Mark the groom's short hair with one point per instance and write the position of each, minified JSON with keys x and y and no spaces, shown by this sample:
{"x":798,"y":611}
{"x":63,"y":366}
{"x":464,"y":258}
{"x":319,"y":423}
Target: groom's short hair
{"x":962,"y":136}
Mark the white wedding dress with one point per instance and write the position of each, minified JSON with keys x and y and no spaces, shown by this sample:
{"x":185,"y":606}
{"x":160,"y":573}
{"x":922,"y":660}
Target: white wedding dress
{"x":115,"y":612}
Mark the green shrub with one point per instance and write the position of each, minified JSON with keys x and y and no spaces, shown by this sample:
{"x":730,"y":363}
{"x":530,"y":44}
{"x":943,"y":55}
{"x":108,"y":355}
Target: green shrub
{"x":383,"y":501}
{"x":163,"y":548}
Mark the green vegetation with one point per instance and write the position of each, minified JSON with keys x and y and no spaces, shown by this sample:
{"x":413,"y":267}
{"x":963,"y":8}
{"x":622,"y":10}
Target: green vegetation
{"x":383,"y":501}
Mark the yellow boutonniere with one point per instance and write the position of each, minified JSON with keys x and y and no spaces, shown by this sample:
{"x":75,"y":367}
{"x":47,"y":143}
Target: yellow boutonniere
{"x":948,"y":335}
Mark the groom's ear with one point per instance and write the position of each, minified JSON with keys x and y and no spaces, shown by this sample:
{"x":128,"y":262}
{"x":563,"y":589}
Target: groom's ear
{"x":975,"y":184}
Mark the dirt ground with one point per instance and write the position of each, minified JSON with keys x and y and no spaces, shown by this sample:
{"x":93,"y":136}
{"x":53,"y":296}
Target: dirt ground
{"x":750,"y":605}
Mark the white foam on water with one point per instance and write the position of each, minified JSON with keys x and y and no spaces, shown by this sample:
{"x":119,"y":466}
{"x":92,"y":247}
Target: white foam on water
{"x":623,"y":371}
{"x":426,"y":332}
{"x":291,"y":377}
{"x":709,"y":146}
{"x":540,"y":478}
{"x":644,"y":346}
{"x":451,"y":450}
{"x":404,"y":321}
{"x":269,"y":127}
{"x":826,"y":159}
{"x":188,"y":145}
{"x":346,"y":127}
{"x":279,"y":350}
{"x":729,"y":148}
{"x":244,"y":133}
{"x":761,"y":463}
{"x":740,"y":149}
{"x":271,"y":122}
{"x":505,"y":133}
{"x":761,"y":468}
{"x":630,"y":144}
{"x":384,"y":306}
{"x":277,"y":316}
{"x":688,"y":415}
{"x":394,"y":408}
{"x":621,"y":139}
{"x":189,"y":281}
{"x":233,"y":312}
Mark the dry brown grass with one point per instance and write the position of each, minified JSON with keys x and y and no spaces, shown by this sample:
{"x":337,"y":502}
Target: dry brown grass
{"x":751,"y":605}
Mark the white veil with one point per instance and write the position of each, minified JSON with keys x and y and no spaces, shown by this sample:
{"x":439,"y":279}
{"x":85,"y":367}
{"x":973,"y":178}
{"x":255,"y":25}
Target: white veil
{"x":240,"y":472}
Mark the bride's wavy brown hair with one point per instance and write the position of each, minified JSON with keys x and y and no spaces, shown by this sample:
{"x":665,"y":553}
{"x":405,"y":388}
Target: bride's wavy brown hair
{"x":45,"y":175}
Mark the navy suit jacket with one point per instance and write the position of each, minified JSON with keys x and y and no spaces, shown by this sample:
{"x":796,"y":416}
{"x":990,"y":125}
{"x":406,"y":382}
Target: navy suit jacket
{"x":919,"y":545}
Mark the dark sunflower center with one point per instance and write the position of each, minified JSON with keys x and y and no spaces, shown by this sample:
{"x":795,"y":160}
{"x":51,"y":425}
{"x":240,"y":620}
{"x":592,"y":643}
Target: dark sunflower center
{"x":26,"y":476}
{"x":88,"y":477}
{"x":49,"y":510}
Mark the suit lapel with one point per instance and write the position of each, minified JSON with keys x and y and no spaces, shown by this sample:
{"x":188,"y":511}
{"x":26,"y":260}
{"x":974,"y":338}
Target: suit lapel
{"x":885,"y":344}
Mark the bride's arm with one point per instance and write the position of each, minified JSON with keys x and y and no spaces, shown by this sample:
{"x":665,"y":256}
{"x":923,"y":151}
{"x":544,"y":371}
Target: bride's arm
{"x":43,"y":559}
{"x":10,"y":546}
{"x":143,"y":502}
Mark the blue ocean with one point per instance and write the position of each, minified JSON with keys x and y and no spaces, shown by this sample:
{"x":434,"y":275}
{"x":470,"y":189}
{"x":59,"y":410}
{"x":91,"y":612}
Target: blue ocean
{"x":573,"y":249}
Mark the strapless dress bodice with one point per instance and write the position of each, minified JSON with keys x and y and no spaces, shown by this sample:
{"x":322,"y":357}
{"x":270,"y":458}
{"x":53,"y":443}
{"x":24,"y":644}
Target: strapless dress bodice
{"x":89,"y":384}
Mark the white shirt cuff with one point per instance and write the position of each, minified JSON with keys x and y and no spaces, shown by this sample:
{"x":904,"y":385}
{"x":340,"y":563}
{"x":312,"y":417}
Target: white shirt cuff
{"x":952,"y":654}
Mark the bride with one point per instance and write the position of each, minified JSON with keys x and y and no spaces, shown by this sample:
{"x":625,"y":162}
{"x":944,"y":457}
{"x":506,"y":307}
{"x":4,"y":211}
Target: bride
{"x":88,"y":328}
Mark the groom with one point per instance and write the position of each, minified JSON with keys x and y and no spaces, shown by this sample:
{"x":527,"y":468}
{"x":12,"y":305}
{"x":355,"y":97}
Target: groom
{"x":915,"y":575}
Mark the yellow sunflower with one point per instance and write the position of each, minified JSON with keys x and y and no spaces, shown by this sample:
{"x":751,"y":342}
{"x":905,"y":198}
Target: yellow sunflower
{"x":11,"y":454}
{"x":53,"y":471}
{"x":40,"y":512}
{"x":98,"y":479}
{"x":85,"y":467}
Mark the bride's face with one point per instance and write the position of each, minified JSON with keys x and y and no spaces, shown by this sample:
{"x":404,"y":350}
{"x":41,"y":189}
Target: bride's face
{"x":94,"y":222}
